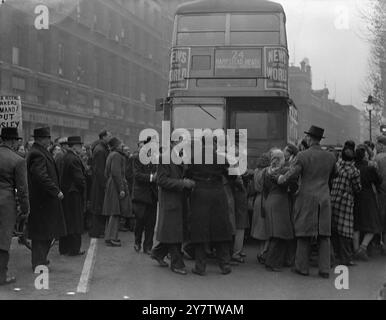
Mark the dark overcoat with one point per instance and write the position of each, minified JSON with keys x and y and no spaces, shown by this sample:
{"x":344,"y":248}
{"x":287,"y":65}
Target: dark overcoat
{"x":171,"y":216}
{"x":13,"y":176}
{"x":116,"y":182}
{"x":312,"y":211}
{"x":73,"y":184}
{"x":208,"y":219}
{"x":144,"y":191}
{"x":46,"y":220}
{"x":367,"y":216}
{"x":98,"y":185}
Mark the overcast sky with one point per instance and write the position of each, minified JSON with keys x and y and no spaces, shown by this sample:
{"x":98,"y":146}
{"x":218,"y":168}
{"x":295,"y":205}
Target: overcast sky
{"x":334,"y":44}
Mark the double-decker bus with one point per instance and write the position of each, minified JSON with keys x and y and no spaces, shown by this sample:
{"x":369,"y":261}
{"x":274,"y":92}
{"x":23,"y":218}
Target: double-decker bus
{"x":229,"y":70}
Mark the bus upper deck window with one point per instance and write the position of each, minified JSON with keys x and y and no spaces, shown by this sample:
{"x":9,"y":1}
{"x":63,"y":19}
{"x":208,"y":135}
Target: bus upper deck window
{"x":255,"y":22}
{"x":201,"y":23}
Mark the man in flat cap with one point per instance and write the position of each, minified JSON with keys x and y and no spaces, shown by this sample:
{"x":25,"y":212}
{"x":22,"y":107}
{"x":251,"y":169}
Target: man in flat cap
{"x":46,"y":221}
{"x":12,"y":175}
{"x":312,"y":210}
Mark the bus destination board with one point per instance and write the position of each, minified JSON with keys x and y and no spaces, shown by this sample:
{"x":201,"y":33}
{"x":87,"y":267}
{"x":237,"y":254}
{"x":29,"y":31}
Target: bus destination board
{"x":276,"y":64}
{"x":238,"y":62}
{"x":179,"y":68}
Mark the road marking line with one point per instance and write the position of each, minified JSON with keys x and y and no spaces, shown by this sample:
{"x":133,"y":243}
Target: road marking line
{"x":88,"y":267}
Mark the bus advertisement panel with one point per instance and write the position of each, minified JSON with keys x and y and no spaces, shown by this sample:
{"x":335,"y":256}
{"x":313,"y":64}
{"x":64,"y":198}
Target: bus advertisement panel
{"x":179,"y":68}
{"x":276,"y":64}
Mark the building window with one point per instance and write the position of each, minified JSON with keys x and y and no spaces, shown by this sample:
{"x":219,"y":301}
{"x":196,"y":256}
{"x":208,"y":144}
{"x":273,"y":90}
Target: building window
{"x":18,"y":86}
{"x":97,"y":106}
{"x":15,"y":56}
{"x":64,"y":96}
{"x":41,"y":94}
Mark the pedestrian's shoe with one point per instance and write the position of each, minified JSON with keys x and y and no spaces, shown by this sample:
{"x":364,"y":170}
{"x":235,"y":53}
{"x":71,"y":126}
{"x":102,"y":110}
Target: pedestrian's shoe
{"x":324,"y":275}
{"x":294,"y":270}
{"x":147,"y":251}
{"x":198,"y":272}
{"x":226,"y":269}
{"x":179,"y":270}
{"x":261,"y":258}
{"x":242,"y":254}
{"x":137,"y":247}
{"x":80,"y":253}
{"x":238,"y":259}
{"x":112,"y":243}
{"x":160,"y":261}
{"x":361,"y":254}
{"x":7,"y":281}
{"x":349,"y":263}
{"x":273,"y":269}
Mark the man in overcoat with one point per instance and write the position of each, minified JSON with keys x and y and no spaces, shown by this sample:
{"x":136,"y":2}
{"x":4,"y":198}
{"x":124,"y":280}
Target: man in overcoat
{"x":100,"y":151}
{"x":312,"y":211}
{"x":13,"y":175}
{"x":144,"y":201}
{"x":73,"y":182}
{"x":46,"y":220}
{"x":171,"y":228}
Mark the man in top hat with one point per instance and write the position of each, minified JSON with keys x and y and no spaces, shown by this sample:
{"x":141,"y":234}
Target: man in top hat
{"x":46,"y":220}
{"x":312,"y":211}
{"x":12,"y":175}
{"x":73,"y":183}
{"x":144,"y":199}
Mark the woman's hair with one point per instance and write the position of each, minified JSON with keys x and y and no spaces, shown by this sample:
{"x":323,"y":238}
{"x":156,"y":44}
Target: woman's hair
{"x":52,"y":147}
{"x":349,"y":144}
{"x":360,"y":152}
{"x":348,"y":154}
{"x":293,"y":150}
{"x":303,"y":144}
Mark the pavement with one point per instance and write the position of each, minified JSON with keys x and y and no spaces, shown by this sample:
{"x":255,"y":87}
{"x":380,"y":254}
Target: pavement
{"x":121,"y":273}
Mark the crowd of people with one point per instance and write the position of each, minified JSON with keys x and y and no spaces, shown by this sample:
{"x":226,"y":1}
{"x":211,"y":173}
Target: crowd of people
{"x":298,"y":201}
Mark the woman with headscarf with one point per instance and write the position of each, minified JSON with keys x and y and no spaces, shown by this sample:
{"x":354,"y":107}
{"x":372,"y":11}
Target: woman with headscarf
{"x":276,"y":207}
{"x":345,"y":185}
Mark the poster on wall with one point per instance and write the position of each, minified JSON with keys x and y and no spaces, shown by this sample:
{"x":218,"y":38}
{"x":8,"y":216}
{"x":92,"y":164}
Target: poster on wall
{"x":10,"y":112}
{"x":179,"y":68}
{"x":276,"y":68}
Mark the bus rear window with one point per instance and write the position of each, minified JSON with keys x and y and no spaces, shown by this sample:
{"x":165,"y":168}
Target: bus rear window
{"x":198,"y":117}
{"x":262,"y":125}
{"x":201,"y":23}
{"x":201,"y":38}
{"x":249,"y":22}
{"x":257,"y":38}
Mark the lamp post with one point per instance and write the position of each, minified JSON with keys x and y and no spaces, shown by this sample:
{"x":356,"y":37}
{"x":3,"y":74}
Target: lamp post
{"x":369,"y":108}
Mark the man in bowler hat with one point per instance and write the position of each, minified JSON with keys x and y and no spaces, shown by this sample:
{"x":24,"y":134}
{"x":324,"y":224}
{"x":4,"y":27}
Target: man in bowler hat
{"x":46,"y":220}
{"x":12,"y":176}
{"x":73,"y":183}
{"x":312,"y":210}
